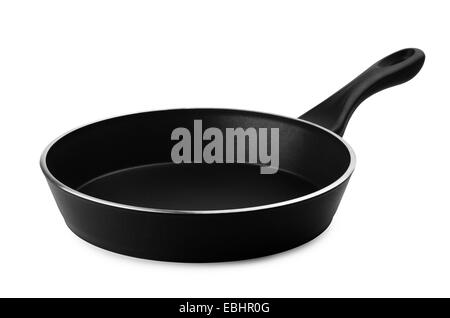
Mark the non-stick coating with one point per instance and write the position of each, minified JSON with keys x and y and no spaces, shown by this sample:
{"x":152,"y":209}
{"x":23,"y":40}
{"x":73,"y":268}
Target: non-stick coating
{"x":197,"y":187}
{"x":127,"y":160}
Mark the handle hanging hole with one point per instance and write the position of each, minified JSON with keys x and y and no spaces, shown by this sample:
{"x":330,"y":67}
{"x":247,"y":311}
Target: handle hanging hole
{"x":396,"y":57}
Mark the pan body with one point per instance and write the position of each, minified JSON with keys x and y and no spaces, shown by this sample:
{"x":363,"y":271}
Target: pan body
{"x":117,"y":187}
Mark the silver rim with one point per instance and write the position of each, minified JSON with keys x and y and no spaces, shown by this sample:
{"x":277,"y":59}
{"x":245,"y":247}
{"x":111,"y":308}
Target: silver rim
{"x":74,"y":192}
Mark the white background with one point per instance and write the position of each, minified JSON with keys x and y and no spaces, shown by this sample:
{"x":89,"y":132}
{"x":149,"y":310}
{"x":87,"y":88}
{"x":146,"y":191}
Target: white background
{"x":66,"y":63}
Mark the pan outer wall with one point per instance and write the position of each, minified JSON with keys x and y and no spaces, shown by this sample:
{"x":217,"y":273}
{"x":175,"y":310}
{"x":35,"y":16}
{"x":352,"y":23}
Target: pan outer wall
{"x":198,"y":237}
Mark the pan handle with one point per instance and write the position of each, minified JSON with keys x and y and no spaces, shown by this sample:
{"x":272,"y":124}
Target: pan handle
{"x":397,"y":68}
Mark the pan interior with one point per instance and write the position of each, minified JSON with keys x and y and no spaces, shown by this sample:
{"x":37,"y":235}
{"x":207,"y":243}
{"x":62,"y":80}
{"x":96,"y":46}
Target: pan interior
{"x":127,"y":160}
{"x":197,"y":186}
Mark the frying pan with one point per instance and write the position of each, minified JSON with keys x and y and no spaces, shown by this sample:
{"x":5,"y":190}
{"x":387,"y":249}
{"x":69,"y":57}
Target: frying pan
{"x":117,"y":187}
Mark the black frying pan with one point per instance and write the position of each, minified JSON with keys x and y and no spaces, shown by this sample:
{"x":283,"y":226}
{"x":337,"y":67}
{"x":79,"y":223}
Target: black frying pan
{"x":117,"y":187}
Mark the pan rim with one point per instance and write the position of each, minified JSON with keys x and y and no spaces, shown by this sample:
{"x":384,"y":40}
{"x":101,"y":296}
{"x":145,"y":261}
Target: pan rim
{"x":50,"y":177}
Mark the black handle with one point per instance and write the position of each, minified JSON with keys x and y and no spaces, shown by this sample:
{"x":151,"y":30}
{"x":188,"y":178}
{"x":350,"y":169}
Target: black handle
{"x":397,"y":68}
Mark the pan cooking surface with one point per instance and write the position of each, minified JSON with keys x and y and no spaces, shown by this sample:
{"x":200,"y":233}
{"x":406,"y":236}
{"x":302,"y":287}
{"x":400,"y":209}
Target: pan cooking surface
{"x":197,"y":186}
